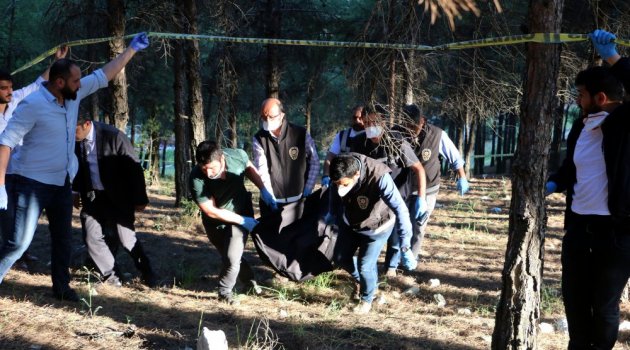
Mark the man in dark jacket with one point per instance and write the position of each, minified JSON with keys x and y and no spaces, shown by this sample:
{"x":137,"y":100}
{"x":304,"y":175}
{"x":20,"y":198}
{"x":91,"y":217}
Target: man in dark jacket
{"x":596,"y":176}
{"x":111,"y":189}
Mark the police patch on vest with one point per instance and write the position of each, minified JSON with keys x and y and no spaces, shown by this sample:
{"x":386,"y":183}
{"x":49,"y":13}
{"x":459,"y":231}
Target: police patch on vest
{"x":426,"y":154}
{"x":293,"y":152}
{"x":363,"y":202}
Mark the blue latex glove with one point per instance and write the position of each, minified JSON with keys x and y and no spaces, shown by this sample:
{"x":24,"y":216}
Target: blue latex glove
{"x":307,"y":192}
{"x":269,"y":199}
{"x":421,"y":207}
{"x":249,"y":223}
{"x":409,"y":262}
{"x":462,"y":186}
{"x":330,"y":219}
{"x":550,"y":188}
{"x":602,"y":40}
{"x":139,"y":42}
{"x":325,"y":181}
{"x":4,"y":199}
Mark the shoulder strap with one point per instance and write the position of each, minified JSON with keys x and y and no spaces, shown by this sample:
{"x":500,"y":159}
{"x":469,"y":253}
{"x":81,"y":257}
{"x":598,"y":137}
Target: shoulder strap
{"x":344,"y":141}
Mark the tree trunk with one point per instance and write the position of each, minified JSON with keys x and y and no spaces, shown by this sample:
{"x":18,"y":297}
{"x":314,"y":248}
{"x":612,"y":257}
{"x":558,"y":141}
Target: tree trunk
{"x":193,"y":73}
{"x":470,"y":143}
{"x":556,"y":141}
{"x":518,"y":312}
{"x":501,"y":136}
{"x":10,"y":40}
{"x":480,"y":143}
{"x":183,"y":164}
{"x":310,"y":93}
{"x":154,"y":169}
{"x":410,"y":77}
{"x":163,"y":160}
{"x":118,"y":86}
{"x":392,"y":88}
{"x":273,"y":27}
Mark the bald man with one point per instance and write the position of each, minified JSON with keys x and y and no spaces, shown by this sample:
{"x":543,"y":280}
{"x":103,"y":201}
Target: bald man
{"x":286,"y":158}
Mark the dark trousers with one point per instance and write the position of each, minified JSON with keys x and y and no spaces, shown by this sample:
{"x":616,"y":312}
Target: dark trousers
{"x":230,"y":243}
{"x":104,"y":231}
{"x":27,"y":199}
{"x":595,"y":269}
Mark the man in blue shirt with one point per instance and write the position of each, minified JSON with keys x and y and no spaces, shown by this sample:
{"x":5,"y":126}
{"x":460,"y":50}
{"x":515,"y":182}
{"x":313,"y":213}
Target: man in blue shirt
{"x":43,"y":167}
{"x":9,"y":99}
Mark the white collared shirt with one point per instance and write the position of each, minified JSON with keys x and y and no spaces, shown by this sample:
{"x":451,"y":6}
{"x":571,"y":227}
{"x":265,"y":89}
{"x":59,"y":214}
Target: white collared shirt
{"x":591,"y":187}
{"x":92,"y":158}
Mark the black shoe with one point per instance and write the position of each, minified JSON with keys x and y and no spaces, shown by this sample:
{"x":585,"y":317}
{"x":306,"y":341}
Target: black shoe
{"x":151,"y":280}
{"x":67,"y":295}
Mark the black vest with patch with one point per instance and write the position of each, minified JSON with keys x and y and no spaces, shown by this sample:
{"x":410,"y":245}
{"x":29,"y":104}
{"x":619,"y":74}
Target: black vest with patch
{"x":363,"y":206}
{"x":286,"y":159}
{"x":345,"y":141}
{"x":427,"y":149}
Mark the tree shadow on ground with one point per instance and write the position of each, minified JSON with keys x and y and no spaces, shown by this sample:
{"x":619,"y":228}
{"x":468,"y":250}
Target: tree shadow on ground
{"x":170,"y":327}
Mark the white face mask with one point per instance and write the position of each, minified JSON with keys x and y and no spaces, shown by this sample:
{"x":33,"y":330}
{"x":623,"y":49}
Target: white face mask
{"x":373,"y":131}
{"x":219,"y":173}
{"x":272,"y":125}
{"x":344,"y":190}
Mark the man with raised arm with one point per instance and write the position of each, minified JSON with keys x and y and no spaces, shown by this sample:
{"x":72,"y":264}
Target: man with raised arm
{"x":45,"y":165}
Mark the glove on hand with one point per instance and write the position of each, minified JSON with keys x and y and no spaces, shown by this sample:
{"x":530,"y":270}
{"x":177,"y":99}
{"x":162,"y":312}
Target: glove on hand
{"x":249,"y":223}
{"x":602,"y":40}
{"x":269,"y":199}
{"x":421,"y":207}
{"x":550,"y":188}
{"x":462,"y":186}
{"x":4,"y":199}
{"x":408,"y":260}
{"x":307,"y":192}
{"x":326,"y":181}
{"x":140,"y":41}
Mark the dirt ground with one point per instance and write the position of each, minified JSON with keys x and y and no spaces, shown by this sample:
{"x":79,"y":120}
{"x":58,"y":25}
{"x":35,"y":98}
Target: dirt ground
{"x":464,"y":250}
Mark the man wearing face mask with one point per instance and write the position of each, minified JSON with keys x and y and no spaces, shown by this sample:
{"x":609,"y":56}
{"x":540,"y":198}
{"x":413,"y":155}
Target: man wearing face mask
{"x":287,"y":161}
{"x":368,"y":208}
{"x":409,"y":176}
{"x":218,"y":188}
{"x":342,"y":143}
{"x":595,"y":175}
{"x":430,"y":143}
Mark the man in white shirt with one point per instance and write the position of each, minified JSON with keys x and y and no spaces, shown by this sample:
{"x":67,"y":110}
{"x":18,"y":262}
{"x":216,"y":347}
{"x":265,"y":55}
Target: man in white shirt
{"x":343,"y":140}
{"x":596,"y":177}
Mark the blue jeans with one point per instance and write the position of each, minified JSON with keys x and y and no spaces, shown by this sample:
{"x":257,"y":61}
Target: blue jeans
{"x":595,"y":269}
{"x":392,"y":257}
{"x":363,"y":269}
{"x":27,"y":199}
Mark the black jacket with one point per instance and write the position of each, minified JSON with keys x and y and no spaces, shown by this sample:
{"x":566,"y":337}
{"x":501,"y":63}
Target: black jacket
{"x":120,"y":172}
{"x":616,"y":148}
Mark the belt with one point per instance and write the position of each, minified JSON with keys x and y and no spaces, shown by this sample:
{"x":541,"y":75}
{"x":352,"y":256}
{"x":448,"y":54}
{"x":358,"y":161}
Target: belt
{"x":289,"y":199}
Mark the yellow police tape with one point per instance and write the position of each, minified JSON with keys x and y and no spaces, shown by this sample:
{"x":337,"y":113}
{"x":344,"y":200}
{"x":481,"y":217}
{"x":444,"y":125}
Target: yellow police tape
{"x":544,"y":38}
